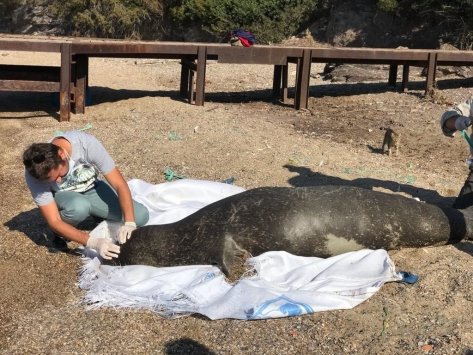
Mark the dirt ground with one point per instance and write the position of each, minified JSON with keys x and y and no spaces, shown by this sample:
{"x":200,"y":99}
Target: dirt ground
{"x":136,"y":111}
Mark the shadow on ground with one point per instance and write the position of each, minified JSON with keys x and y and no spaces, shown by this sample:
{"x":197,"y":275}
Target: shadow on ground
{"x":33,"y":104}
{"x":47,"y":104}
{"x":307,"y":177}
{"x":99,"y":95}
{"x":39,"y":104}
{"x":32,"y":224}
{"x":186,"y":346}
{"x":348,"y":89}
{"x":466,"y":248}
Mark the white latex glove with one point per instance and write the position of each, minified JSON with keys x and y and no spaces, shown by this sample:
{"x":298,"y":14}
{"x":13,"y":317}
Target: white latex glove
{"x":462,"y":123}
{"x":104,"y":247}
{"x":124,"y":232}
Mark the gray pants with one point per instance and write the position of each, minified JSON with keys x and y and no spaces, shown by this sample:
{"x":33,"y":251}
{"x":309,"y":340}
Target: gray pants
{"x":100,"y":201}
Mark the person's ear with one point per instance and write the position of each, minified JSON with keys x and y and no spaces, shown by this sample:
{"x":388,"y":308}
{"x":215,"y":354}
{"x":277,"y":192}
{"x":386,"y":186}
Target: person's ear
{"x":62,"y":154}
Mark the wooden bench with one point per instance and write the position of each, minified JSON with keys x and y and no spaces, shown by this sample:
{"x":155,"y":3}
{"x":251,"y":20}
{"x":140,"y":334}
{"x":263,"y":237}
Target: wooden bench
{"x":36,"y":77}
{"x":279,"y":57}
{"x":29,"y":78}
{"x":83,"y":49}
{"x":392,"y":57}
{"x":70,"y":79}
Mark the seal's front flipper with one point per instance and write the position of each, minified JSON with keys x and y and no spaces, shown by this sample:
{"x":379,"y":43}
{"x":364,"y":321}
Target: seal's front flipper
{"x":234,"y":259}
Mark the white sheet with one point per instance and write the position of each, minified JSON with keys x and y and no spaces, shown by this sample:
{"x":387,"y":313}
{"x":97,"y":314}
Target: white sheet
{"x":283,"y":284}
{"x":171,"y":201}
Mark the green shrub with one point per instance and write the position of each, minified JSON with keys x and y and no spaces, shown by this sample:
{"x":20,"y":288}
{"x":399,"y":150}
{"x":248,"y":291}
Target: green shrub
{"x":269,"y":20}
{"x":388,"y":5}
{"x":455,"y":17}
{"x":109,"y":18}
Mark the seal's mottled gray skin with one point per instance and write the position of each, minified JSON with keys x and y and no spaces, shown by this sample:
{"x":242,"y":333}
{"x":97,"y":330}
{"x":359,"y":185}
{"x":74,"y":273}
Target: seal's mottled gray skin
{"x":309,"y":221}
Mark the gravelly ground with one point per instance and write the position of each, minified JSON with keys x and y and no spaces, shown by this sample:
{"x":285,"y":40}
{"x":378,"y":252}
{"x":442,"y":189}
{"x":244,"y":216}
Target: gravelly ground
{"x":138,"y":115}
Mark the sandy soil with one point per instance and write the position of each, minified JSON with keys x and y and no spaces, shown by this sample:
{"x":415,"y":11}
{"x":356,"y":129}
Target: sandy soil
{"x":240,"y":133}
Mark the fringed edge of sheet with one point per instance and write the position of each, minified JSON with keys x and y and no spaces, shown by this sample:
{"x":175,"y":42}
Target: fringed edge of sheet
{"x":100,"y":294}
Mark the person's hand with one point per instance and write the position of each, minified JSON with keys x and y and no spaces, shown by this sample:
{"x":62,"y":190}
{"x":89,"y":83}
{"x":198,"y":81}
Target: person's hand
{"x":104,"y":247}
{"x":462,"y":123}
{"x":124,"y":232}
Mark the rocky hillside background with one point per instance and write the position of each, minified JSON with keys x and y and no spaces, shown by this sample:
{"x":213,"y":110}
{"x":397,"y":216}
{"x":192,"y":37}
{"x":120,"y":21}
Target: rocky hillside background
{"x":27,"y":17}
{"x":367,"y":23}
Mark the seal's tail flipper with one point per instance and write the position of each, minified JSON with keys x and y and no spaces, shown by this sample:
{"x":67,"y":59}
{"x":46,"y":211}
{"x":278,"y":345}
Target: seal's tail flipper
{"x":234,"y":259}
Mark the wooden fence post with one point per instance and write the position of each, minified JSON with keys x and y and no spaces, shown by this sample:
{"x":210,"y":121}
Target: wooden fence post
{"x":200,"y":81}
{"x":302,"y":82}
{"x":392,"y":75}
{"x":65,"y":85}
{"x":431,"y":69}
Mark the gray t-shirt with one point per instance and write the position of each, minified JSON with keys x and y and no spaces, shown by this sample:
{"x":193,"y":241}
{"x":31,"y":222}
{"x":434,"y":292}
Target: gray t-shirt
{"x":86,"y":150}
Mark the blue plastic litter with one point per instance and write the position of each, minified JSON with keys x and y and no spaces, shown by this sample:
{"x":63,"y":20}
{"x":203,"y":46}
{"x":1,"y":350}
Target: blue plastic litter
{"x":230,"y":180}
{"x":408,"y":277}
{"x":170,"y":175}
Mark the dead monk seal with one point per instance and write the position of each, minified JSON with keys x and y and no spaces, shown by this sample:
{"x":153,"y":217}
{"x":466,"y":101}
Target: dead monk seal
{"x":317,"y":221}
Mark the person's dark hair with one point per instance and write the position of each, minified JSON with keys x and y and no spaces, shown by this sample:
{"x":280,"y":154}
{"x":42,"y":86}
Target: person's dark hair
{"x":40,"y":158}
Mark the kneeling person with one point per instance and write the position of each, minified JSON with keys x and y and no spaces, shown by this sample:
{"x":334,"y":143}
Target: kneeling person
{"x":62,"y":176}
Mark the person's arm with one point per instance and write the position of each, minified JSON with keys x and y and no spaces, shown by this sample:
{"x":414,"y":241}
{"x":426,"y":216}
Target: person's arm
{"x":97,"y":154}
{"x":119,"y":184}
{"x":50,"y":213}
{"x":104,"y":246}
{"x":117,"y":181}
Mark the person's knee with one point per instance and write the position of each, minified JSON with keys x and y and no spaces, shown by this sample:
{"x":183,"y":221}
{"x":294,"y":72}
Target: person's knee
{"x":141,"y":215}
{"x":74,"y":212}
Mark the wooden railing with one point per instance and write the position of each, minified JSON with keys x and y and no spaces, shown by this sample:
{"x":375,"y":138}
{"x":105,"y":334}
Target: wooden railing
{"x":70,"y":79}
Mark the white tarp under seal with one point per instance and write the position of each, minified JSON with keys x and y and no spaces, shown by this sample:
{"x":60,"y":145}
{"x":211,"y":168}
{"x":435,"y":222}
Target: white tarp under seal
{"x":280,"y":284}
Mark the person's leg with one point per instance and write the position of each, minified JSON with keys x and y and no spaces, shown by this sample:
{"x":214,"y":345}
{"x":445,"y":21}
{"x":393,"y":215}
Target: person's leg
{"x":73,"y":206}
{"x":73,"y":209}
{"x":104,"y":203}
{"x":465,"y":197}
